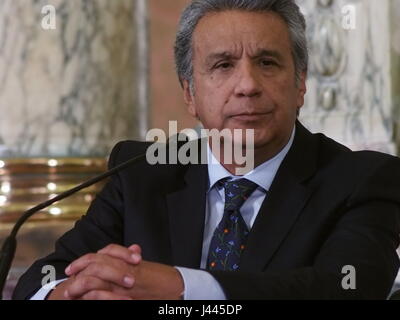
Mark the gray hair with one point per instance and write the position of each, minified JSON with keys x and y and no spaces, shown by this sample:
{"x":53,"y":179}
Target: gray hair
{"x":288,"y":10}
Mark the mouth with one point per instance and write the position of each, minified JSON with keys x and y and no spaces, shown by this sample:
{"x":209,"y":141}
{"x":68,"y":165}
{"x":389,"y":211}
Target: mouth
{"x":250,"y":116}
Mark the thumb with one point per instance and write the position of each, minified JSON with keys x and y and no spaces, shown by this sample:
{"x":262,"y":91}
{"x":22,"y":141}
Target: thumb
{"x":135,"y":248}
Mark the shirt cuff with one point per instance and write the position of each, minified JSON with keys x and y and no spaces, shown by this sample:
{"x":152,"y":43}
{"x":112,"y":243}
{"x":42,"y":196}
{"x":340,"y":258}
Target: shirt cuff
{"x":45,"y":290}
{"x":200,"y":285}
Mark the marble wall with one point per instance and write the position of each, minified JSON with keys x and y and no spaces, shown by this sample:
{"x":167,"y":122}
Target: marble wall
{"x":395,"y":41}
{"x":349,"y":87}
{"x":73,"y":90}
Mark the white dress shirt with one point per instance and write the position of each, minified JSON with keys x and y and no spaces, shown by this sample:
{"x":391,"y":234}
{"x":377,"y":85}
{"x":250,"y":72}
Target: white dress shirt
{"x":199,"y":284}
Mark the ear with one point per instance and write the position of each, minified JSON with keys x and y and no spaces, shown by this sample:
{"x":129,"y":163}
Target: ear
{"x":302,"y":90}
{"x":189,"y":99}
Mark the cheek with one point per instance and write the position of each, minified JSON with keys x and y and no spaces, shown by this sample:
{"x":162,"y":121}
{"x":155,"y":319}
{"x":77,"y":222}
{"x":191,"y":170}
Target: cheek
{"x":213,"y":102}
{"x":207,"y":109}
{"x":284,"y":98}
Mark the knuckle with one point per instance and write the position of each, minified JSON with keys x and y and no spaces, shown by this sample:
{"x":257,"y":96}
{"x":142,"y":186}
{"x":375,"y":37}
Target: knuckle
{"x":91,"y":257}
{"x":85,"y":283}
{"x":94,"y":257}
{"x":109,"y":247}
{"x":114,"y":246}
{"x":94,"y":269}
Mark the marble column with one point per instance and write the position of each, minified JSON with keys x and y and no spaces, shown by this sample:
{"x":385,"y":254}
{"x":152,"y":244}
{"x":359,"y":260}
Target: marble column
{"x":72,"y":90}
{"x":73,"y":82}
{"x":349,"y":86}
{"x":395,"y":19}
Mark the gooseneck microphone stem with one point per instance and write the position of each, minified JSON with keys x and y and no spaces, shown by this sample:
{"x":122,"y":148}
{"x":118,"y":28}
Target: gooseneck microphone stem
{"x":10,"y":244}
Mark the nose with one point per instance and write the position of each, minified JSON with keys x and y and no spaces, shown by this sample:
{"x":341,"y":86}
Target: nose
{"x":248,"y":84}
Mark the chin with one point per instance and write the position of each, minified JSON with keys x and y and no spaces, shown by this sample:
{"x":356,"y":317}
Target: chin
{"x":258,"y":143}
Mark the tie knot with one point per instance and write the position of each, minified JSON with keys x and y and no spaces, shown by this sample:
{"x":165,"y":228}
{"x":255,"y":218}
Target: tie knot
{"x":237,"y":192}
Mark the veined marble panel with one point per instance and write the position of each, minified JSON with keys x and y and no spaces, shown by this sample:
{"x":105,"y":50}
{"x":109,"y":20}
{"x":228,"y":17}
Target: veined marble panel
{"x":69,"y":91}
{"x":349,"y":84}
{"x":395,"y":18}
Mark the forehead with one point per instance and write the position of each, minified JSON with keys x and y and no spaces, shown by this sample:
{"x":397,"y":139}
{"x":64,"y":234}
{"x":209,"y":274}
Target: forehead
{"x":235,"y":31}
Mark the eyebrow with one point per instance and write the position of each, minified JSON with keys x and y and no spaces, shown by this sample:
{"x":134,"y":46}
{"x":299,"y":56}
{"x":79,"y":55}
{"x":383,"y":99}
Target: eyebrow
{"x":268,"y":53}
{"x":226,"y":55}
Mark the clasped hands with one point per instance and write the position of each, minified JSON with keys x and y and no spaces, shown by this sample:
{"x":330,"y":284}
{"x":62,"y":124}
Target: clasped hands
{"x":118,"y":273}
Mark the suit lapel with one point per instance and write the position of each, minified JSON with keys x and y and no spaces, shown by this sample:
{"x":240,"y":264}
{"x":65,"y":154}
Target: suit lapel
{"x":283,"y":203}
{"x":186,"y":211}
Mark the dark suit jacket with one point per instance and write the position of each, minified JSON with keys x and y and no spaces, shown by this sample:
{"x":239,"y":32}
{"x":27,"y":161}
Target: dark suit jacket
{"x":327,"y":208}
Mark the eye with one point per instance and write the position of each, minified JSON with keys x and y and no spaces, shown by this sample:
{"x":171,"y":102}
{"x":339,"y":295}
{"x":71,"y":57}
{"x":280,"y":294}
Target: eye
{"x":224,"y":66}
{"x":268,"y":63}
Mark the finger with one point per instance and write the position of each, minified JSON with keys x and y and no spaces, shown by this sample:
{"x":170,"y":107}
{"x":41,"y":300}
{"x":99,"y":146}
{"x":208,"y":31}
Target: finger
{"x":118,"y":275}
{"x":84,"y":284}
{"x":103,"y":267}
{"x":81,"y":263}
{"x":136,"y":249}
{"x":120,"y":252}
{"x":103,"y":295}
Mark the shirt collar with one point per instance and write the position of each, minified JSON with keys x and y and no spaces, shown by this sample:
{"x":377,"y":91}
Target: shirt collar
{"x":262,"y":175}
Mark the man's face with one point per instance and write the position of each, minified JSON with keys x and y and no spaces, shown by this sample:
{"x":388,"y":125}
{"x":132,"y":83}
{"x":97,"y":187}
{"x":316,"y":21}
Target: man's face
{"x":244,"y":76}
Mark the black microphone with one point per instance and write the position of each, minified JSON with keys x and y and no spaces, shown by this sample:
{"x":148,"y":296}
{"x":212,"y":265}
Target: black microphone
{"x":10,"y":244}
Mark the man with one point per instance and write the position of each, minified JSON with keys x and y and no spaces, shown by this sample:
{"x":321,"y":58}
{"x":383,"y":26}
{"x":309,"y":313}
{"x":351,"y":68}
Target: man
{"x":310,"y":209}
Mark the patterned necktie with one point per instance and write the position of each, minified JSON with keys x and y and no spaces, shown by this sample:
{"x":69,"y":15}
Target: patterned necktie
{"x":230,"y":236}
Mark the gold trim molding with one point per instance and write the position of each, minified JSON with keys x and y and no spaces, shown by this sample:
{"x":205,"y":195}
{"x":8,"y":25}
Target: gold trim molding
{"x":26,"y":182}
